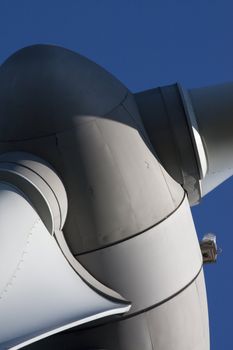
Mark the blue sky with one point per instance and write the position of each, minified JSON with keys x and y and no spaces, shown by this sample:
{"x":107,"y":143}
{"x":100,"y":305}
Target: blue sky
{"x":147,"y":44}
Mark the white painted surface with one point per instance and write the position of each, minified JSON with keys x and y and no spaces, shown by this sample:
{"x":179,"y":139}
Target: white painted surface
{"x":40,"y":294}
{"x":153,"y":266}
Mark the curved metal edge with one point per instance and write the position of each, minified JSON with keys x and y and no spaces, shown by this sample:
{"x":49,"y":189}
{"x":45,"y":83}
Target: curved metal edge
{"x":166,"y":299}
{"x":135,"y":234}
{"x":194,"y":131}
{"x":36,"y":164}
{"x":86,"y":276}
{"x":68,"y":326}
{"x":116,"y":309}
{"x":8,"y":168}
{"x":126,"y":317}
{"x":9,"y":176}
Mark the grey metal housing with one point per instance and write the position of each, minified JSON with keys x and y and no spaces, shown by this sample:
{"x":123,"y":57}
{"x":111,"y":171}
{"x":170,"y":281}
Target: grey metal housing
{"x":179,"y":324}
{"x":170,"y":123}
{"x":62,"y":107}
{"x":128,"y":222}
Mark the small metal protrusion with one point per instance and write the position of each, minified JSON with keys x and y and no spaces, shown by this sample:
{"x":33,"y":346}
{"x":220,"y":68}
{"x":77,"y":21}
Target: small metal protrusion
{"x":209,"y":248}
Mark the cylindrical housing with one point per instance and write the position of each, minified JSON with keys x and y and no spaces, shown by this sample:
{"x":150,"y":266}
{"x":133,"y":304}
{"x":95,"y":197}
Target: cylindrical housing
{"x":128,"y":222}
{"x":170,"y":123}
{"x":213,"y":107}
{"x":69,"y":111}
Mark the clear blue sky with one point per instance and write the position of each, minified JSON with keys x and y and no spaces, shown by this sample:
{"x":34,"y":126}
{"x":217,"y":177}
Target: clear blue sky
{"x":146,"y":44}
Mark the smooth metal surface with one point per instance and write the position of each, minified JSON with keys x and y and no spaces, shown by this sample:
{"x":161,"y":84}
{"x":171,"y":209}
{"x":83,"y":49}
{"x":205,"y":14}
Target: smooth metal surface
{"x":44,"y":89}
{"x":116,"y":184}
{"x":179,"y":324}
{"x":127,"y":220}
{"x":86,"y":124}
{"x":152,"y":266}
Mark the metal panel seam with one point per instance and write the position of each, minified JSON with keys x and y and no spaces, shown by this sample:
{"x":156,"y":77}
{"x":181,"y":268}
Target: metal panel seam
{"x":126,"y":317}
{"x":21,"y":260}
{"x":65,"y":129}
{"x":135,"y":234}
{"x":165,"y":300}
